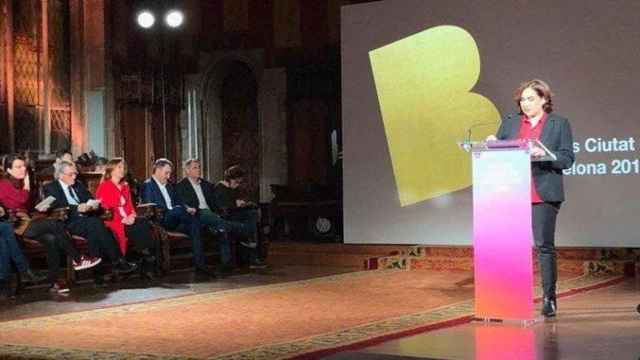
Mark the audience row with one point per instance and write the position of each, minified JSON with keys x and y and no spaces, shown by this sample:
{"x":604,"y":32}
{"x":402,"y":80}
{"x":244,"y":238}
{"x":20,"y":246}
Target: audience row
{"x":115,"y":233}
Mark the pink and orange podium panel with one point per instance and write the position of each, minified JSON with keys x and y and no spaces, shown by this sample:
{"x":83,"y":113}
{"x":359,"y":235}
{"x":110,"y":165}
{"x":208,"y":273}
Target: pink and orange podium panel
{"x":502,"y":236}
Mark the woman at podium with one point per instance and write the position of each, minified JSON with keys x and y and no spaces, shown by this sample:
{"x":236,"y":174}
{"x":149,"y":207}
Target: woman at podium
{"x":535,"y":120}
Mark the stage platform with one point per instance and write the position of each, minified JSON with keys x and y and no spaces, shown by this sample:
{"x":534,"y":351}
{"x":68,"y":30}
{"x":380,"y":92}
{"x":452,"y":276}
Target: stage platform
{"x":601,"y":324}
{"x":311,"y":311}
{"x":441,"y":258}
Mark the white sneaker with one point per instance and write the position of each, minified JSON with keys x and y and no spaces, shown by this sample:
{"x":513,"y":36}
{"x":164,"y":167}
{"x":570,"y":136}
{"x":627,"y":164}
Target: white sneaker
{"x":86,"y":262}
{"x":249,"y":244}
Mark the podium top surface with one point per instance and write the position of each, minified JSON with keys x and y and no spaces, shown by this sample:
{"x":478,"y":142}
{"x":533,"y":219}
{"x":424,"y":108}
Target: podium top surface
{"x":516,"y":144}
{"x":506,"y":144}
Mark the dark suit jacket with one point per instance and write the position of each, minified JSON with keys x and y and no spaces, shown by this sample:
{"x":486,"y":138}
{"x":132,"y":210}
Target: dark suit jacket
{"x":55,"y":189}
{"x":151,"y":194}
{"x":188,"y":195}
{"x":557,"y":137}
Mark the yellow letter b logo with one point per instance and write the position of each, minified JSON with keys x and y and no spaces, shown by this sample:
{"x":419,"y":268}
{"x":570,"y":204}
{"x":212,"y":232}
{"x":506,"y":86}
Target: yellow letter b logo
{"x":423,"y":84}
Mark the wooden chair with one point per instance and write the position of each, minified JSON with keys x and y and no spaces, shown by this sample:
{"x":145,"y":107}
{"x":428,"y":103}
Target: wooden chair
{"x":169,"y":240}
{"x":34,"y":249}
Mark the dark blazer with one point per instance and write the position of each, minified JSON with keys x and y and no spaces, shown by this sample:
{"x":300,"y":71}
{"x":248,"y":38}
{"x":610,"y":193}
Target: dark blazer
{"x":188,"y":195}
{"x":151,"y":194}
{"x":558,"y":138}
{"x":55,"y":189}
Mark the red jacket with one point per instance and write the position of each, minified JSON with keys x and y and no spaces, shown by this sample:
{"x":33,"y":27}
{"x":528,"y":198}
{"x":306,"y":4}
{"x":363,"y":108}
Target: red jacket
{"x":112,"y":199}
{"x":12,"y":197}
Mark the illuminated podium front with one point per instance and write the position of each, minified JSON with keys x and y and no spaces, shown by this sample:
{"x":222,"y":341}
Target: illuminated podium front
{"x":502,"y":230}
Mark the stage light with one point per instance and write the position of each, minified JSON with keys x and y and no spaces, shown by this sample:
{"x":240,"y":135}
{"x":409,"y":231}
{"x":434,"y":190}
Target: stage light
{"x":174,"y":18}
{"x":145,"y":19}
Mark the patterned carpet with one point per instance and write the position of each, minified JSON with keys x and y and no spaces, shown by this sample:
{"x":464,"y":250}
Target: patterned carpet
{"x":302,"y":319}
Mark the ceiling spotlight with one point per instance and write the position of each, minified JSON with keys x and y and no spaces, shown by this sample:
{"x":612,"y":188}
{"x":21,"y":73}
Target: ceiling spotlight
{"x":145,"y":19}
{"x":174,"y":18}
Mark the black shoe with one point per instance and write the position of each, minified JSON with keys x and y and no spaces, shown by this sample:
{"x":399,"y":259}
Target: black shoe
{"x":258,"y":264}
{"x":549,"y":307}
{"x":204,"y":270}
{"x":31,"y":278}
{"x":147,"y":266}
{"x":124,"y":267}
{"x":147,"y":275}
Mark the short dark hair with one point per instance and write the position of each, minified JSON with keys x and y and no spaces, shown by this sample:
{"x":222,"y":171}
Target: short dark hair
{"x":160,"y":163}
{"x":7,"y":162}
{"x":234,"y":172}
{"x":541,"y":88}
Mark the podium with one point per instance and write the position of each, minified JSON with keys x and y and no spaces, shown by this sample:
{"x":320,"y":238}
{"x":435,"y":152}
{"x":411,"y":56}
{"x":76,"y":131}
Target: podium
{"x":502,"y":229}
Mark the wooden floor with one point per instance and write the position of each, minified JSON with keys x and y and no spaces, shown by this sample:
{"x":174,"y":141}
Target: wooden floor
{"x":601,"y":324}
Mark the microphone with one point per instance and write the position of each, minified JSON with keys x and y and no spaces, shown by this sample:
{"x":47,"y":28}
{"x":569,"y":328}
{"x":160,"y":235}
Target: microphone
{"x":467,"y":141}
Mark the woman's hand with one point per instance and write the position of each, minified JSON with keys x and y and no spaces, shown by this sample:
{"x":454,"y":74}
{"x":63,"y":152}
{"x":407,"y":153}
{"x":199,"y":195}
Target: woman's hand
{"x":27,"y":183}
{"x":537,"y":152}
{"x":129,"y":220}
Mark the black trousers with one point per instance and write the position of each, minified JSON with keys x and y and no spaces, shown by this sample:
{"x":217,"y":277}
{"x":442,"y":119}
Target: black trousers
{"x":178,"y":219}
{"x":544,"y":231}
{"x":102,"y":244}
{"x":244,"y":222}
{"x":53,"y":235}
{"x":139,"y":234}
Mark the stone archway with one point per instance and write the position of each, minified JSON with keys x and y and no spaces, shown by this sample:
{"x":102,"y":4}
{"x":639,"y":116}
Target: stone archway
{"x":231,"y":122}
{"x":203,"y":126}
{"x":240,"y":125}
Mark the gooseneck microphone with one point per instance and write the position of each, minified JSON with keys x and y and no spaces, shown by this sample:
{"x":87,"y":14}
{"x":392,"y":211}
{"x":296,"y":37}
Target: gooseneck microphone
{"x":467,"y":141}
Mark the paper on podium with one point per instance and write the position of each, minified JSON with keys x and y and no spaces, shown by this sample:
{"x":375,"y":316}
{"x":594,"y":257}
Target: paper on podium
{"x":509,"y":144}
{"x":548,"y":155}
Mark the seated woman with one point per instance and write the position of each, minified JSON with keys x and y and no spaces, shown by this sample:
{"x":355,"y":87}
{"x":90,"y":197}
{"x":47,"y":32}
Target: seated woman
{"x":115,"y":194}
{"x":15,"y":191}
{"x":10,"y":253}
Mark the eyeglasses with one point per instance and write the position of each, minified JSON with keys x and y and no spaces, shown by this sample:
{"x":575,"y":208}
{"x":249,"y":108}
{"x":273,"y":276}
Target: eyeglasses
{"x":73,"y":174}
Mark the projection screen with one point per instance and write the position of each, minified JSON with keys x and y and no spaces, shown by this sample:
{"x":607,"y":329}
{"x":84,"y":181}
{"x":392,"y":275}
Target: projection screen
{"x":417,"y":75}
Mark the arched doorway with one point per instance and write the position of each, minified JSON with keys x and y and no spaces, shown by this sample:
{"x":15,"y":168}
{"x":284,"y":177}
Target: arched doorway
{"x":240,"y":125}
{"x":231,"y":123}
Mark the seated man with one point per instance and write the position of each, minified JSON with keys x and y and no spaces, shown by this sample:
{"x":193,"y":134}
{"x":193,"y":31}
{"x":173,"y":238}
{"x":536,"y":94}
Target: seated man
{"x":83,"y":220}
{"x":159,"y":191}
{"x":236,"y":209}
{"x":198,"y":196}
{"x":16,"y":197}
